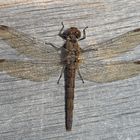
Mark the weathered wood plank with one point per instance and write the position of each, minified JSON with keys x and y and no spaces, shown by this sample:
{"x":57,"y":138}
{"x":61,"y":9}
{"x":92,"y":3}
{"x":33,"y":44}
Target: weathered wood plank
{"x":33,"y":111}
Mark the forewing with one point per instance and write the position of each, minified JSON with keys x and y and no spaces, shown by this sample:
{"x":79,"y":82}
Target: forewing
{"x":114,"y":47}
{"x":102,"y":72}
{"x":32,"y":70}
{"x":27,"y":45}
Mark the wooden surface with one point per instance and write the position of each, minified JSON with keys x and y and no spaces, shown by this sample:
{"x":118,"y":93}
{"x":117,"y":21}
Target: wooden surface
{"x":35,"y":110}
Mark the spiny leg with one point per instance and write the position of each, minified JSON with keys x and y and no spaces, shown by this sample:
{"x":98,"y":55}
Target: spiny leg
{"x":88,"y":50}
{"x":80,"y":76}
{"x":47,"y":43}
{"x":84,"y":34}
{"x":62,"y":71}
{"x":60,"y":32}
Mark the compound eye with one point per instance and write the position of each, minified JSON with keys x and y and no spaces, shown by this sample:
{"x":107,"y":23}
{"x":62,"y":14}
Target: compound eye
{"x":77,"y":34}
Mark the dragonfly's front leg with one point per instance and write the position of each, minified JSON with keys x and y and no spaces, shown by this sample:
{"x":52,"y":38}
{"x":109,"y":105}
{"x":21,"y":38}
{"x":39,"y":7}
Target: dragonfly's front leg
{"x":84,"y":34}
{"x":60,"y":32}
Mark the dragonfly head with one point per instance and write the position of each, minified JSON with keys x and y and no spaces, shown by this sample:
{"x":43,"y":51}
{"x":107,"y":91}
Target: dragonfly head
{"x":72,"y":34}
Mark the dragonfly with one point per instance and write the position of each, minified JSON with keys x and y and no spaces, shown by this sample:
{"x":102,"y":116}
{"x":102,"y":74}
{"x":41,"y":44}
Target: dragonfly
{"x":47,"y":60}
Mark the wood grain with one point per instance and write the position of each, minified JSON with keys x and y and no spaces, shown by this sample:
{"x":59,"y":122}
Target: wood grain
{"x":35,"y":110}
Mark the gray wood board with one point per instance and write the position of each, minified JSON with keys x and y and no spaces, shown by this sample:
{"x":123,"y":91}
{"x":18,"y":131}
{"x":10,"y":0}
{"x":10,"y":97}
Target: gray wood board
{"x":35,"y":110}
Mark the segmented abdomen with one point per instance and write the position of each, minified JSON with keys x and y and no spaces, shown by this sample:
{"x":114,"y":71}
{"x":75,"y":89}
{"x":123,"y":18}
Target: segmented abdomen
{"x":69,"y":75}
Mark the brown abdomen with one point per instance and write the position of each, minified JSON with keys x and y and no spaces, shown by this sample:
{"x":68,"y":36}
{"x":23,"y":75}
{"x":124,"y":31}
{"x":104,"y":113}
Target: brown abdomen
{"x":69,"y":75}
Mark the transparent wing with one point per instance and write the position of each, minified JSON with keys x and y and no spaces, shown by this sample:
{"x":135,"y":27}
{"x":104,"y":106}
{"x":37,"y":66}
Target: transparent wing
{"x":46,"y":58}
{"x":110,"y":72}
{"x":94,"y":67}
{"x":32,"y":70}
{"x":114,"y":47}
{"x":28,"y":46}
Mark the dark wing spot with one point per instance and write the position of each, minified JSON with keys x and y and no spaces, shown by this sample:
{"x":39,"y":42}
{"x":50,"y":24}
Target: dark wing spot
{"x":2,"y":60}
{"x":137,"y":62}
{"x":137,"y":30}
{"x":3,"y":27}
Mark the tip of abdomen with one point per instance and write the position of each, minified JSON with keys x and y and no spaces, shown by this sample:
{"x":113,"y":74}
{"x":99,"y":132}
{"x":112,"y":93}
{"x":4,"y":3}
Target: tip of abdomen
{"x":68,"y":120}
{"x":68,"y":126}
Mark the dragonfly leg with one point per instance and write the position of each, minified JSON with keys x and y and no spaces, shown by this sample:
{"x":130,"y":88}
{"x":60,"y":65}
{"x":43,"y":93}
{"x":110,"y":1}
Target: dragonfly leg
{"x":88,"y":50}
{"x":80,"y":76}
{"x":52,"y":45}
{"x":60,"y":32}
{"x":62,"y":71}
{"x":84,"y":34}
